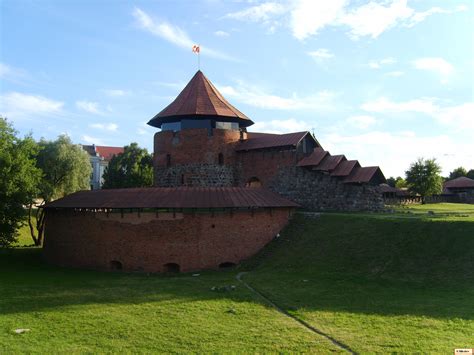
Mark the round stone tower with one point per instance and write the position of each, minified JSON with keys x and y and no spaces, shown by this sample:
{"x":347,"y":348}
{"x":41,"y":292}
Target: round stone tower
{"x":199,"y":130}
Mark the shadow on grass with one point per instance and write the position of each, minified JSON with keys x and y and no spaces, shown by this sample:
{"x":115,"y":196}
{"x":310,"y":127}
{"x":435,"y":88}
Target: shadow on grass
{"x":335,"y":263}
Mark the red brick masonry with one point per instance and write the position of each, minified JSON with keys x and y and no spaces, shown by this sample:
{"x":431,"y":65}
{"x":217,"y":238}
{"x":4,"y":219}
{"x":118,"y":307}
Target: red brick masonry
{"x":147,"y":241}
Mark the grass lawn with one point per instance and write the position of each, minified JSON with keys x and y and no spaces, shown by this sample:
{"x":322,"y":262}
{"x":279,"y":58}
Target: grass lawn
{"x":396,"y":282}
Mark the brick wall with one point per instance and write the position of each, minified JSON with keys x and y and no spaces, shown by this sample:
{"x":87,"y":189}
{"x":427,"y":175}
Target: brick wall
{"x":191,"y":157}
{"x":146,"y":241}
{"x":263,"y":165}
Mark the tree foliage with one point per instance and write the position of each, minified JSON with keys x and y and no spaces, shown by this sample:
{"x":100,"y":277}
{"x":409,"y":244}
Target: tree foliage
{"x":66,"y":169}
{"x":400,"y":182}
{"x":19,"y":179}
{"x":470,"y":174}
{"x":132,"y":168}
{"x":458,"y":172}
{"x":423,"y":177}
{"x":391,"y":181}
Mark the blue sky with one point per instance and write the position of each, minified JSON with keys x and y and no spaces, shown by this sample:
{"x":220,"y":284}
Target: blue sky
{"x":384,"y":82}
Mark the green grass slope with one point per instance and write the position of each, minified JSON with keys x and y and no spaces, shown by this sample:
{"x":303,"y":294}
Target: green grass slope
{"x":398,"y":282}
{"x":377,"y":283}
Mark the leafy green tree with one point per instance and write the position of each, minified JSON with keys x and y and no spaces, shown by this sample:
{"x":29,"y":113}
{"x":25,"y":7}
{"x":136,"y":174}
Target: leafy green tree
{"x":66,"y":169}
{"x":470,"y":174}
{"x":400,"y":182}
{"x":458,"y":172}
{"x":423,"y":177}
{"x":19,"y":179}
{"x":132,"y":168}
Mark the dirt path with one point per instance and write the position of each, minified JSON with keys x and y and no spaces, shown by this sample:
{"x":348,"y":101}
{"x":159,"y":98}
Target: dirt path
{"x":300,"y":321}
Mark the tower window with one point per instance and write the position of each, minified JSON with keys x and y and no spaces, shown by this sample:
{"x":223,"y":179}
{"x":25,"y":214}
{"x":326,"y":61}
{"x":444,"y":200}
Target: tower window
{"x":220,"y":159}
{"x":168,"y":160}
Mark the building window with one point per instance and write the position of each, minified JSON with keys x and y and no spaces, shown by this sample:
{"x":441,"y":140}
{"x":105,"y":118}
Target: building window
{"x":220,"y":159}
{"x":182,"y":179}
{"x":168,"y":160}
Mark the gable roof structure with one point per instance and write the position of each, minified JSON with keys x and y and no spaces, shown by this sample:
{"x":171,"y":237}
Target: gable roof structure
{"x":106,"y":152}
{"x":200,"y":99}
{"x":268,"y":140}
{"x":459,"y":183}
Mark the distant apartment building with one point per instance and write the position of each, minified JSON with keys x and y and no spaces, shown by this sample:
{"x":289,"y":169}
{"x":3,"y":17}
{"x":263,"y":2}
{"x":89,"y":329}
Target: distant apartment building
{"x":99,"y":157}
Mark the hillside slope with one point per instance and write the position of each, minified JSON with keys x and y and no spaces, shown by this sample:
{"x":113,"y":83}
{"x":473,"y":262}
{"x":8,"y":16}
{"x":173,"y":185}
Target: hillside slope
{"x":401,"y":282}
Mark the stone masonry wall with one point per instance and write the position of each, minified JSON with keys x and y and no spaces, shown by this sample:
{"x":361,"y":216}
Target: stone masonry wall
{"x":149,"y":241}
{"x":320,"y":192}
{"x":195,"y":175}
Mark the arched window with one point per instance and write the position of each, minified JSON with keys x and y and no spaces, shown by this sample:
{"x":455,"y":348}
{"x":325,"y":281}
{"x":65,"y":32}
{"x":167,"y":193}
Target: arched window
{"x":220,"y":159}
{"x":116,"y":265}
{"x":253,"y":182}
{"x":171,"y":267}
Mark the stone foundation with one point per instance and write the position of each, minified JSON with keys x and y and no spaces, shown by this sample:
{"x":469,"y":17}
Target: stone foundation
{"x":204,"y":175}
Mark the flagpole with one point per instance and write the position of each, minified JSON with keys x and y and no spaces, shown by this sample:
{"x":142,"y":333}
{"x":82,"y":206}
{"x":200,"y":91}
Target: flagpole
{"x":199,"y":57}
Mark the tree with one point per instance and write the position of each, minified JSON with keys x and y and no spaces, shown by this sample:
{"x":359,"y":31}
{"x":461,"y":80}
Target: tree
{"x":458,"y":172}
{"x":132,"y":168}
{"x":400,"y":182}
{"x":470,"y":174}
{"x":391,"y":181}
{"x":19,"y":179}
{"x":424,"y":178}
{"x":65,"y":169}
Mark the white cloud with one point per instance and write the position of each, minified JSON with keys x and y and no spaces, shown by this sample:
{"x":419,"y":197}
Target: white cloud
{"x":222,"y":33}
{"x":17,"y":105}
{"x":437,"y":65}
{"x":173,"y":34}
{"x":105,"y":126}
{"x":259,"y":13}
{"x":361,"y":121}
{"x":394,"y":151}
{"x":306,"y":18}
{"x":457,"y":117}
{"x":12,"y":74}
{"x":89,"y":106}
{"x":374,"y":18}
{"x":92,"y":140}
{"x":280,"y":126}
{"x":377,"y":64}
{"x":257,"y":97}
{"x":421,"y":16}
{"x":115,"y":92}
{"x":321,"y":54}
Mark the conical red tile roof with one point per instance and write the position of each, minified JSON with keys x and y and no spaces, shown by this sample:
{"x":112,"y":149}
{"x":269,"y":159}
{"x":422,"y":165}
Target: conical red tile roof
{"x":200,"y":98}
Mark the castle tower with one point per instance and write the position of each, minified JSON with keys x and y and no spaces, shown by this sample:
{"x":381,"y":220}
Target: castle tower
{"x":199,"y":130}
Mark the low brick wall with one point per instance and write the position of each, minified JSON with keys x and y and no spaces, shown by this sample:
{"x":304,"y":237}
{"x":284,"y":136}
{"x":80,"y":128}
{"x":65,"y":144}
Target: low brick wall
{"x":320,"y":192}
{"x":149,"y":241}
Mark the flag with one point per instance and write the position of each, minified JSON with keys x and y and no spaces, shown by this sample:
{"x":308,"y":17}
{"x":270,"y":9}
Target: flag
{"x":196,"y":49}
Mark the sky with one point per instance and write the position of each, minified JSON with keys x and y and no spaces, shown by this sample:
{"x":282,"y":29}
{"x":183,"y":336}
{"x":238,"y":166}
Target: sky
{"x":384,"y":82}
